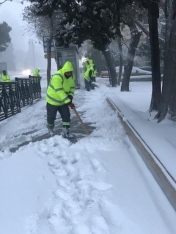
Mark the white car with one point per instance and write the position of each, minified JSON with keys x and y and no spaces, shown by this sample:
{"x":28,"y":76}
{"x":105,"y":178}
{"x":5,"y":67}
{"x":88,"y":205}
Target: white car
{"x":135,"y":72}
{"x":26,"y":72}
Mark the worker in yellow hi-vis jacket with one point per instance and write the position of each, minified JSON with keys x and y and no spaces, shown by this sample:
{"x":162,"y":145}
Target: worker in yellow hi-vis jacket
{"x":4,"y":76}
{"x":59,"y":97}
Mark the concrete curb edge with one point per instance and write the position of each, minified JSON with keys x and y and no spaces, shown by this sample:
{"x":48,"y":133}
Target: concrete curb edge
{"x":159,"y":172}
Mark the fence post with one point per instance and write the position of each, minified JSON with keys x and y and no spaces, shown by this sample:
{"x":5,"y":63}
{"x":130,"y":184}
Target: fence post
{"x":36,"y":87}
{"x":17,"y":93}
{"x":4,"y":96}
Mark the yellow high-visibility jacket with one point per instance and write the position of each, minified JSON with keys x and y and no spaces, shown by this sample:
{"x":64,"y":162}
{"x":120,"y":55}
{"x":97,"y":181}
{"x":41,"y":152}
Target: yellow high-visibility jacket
{"x":91,"y":62}
{"x":36,"y":72}
{"x":92,"y":66}
{"x":5,"y":78}
{"x":60,"y":86}
{"x":94,"y":74}
{"x":84,"y":67}
{"x":88,"y":74}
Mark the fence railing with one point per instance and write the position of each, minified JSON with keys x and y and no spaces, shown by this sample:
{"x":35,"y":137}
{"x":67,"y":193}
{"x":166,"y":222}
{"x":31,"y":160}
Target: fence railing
{"x":15,"y":95}
{"x":36,"y":87}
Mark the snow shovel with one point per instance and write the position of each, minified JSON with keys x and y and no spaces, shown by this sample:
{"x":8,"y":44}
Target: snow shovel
{"x":82,"y":124}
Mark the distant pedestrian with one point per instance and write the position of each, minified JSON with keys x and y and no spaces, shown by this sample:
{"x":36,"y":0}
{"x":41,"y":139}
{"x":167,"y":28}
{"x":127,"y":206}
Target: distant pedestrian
{"x":4,"y":76}
{"x":59,"y":98}
{"x":87,"y":77}
{"x":94,"y":74}
{"x":36,"y":72}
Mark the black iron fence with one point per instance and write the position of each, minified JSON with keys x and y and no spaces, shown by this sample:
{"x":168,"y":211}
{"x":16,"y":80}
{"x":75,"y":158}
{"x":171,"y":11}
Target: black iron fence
{"x":15,"y":95}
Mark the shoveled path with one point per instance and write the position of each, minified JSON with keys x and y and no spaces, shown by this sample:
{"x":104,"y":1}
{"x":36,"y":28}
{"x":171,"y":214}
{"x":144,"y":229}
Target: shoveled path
{"x":76,"y":129}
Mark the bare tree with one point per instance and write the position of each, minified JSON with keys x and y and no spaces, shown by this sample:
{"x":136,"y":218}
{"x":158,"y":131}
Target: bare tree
{"x":41,"y":25}
{"x":38,"y":25}
{"x":146,"y":31}
{"x":135,"y":37}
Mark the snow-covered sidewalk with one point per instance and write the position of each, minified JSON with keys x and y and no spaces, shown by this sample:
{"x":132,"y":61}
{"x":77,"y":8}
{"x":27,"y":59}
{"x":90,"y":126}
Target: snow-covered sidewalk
{"x":160,"y":137}
{"x":99,"y":185}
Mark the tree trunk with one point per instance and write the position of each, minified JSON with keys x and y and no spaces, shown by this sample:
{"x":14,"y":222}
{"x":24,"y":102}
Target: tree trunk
{"x":135,"y":37}
{"x":146,"y":31}
{"x":49,"y":60}
{"x":110,"y":80}
{"x":111,"y":67}
{"x":155,"y":58}
{"x":168,"y":100}
{"x":49,"y":52}
{"x":120,"y":61}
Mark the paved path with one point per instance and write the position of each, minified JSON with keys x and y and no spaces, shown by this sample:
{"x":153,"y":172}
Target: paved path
{"x":76,"y":129}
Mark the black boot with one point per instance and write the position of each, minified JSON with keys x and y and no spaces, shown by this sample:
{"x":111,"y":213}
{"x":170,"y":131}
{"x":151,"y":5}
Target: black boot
{"x":51,"y":132}
{"x":66,"y":133}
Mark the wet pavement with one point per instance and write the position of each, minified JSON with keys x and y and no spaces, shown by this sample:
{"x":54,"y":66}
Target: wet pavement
{"x":14,"y":142}
{"x":76,"y":129}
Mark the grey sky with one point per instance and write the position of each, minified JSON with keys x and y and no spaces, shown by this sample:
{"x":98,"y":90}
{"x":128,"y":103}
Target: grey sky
{"x":11,"y":12}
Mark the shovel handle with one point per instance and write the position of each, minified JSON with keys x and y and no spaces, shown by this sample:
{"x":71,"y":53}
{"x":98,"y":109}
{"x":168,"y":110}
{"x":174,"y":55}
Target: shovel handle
{"x":80,"y":120}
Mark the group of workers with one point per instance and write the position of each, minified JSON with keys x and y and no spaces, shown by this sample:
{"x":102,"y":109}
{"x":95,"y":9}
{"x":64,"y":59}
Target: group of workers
{"x":59,"y":98}
{"x":60,"y":92}
{"x":5,"y":77}
{"x":90,"y":72}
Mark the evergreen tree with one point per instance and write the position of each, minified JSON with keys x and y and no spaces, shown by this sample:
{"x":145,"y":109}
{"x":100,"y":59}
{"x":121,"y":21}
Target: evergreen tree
{"x":9,"y":58}
{"x":98,"y":21}
{"x":98,"y":59}
{"x":40,"y":17}
{"x":4,"y":36}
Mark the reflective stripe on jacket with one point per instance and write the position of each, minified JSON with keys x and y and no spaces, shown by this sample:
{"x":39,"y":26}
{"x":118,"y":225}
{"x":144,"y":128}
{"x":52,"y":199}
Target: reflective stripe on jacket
{"x":60,"y":87}
{"x":5,"y":78}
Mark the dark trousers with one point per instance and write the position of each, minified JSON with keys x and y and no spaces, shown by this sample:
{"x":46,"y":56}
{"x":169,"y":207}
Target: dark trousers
{"x":93,"y":79}
{"x":52,"y":111}
{"x":87,"y":84}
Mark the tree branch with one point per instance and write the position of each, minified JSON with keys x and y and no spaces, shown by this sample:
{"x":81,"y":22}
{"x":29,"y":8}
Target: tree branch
{"x":146,"y":31}
{"x":3,"y":1}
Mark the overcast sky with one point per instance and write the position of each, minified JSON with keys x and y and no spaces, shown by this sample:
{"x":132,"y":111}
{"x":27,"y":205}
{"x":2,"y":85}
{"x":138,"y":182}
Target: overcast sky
{"x":11,"y":12}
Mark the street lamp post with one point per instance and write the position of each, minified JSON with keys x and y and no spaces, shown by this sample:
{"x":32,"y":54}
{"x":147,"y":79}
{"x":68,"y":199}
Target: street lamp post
{"x":33,"y":54}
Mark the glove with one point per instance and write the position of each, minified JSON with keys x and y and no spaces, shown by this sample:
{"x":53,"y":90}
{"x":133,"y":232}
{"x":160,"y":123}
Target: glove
{"x":71,"y":105}
{"x":70,"y":97}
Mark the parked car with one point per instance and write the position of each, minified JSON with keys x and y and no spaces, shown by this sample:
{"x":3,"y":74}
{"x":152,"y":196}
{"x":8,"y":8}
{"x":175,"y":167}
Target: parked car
{"x":136,"y":71}
{"x":148,"y":68}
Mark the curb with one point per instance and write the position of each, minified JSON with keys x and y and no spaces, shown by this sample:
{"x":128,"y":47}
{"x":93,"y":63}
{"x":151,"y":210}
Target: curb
{"x":159,"y":172}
